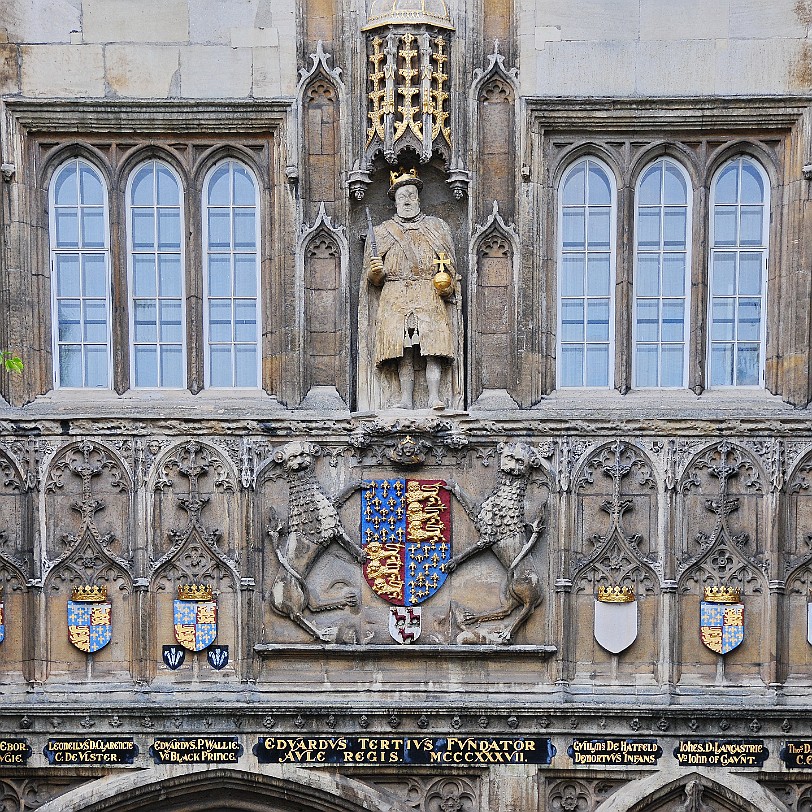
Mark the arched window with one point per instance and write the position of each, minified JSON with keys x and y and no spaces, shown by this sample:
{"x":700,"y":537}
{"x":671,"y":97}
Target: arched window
{"x":155,"y":265}
{"x":80,"y":276}
{"x":662,"y":277}
{"x":586,"y":275}
{"x":738,"y":273}
{"x":231,"y":276}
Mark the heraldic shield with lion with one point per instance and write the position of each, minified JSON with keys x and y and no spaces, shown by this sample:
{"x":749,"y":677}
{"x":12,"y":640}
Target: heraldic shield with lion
{"x":406,"y":535}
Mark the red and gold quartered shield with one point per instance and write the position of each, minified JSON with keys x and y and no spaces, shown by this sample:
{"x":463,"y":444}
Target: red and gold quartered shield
{"x":406,"y":535}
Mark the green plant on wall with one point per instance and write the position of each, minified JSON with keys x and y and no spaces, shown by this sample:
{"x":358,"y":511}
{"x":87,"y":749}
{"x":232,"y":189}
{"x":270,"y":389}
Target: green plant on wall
{"x":11,"y":362}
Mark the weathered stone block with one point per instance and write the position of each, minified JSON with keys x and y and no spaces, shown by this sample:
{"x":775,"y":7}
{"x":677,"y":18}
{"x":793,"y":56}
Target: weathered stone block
{"x":62,"y":70}
{"x":267,"y":79}
{"x":9,"y":72}
{"x":665,"y":68}
{"x":585,"y":69}
{"x":43,"y":21}
{"x":215,"y":72}
{"x":321,"y":305}
{"x":755,"y":19}
{"x":209,"y":26}
{"x":254,"y":38}
{"x":757,"y":66}
{"x":495,"y":271}
{"x":683,"y":19}
{"x":150,"y":21}
{"x":323,"y":344}
{"x":125,"y":69}
{"x":590,"y":19}
{"x":323,"y":273}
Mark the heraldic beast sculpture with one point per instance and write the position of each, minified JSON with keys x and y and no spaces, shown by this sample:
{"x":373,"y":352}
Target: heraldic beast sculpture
{"x":312,"y":526}
{"x":500,"y":521}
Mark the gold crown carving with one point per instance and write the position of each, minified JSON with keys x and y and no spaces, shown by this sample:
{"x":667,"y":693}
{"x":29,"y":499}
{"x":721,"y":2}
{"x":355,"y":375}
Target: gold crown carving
{"x":403,"y":178}
{"x":616,"y":594}
{"x":195,"y":592}
{"x":722,"y":594}
{"x":90,"y":593}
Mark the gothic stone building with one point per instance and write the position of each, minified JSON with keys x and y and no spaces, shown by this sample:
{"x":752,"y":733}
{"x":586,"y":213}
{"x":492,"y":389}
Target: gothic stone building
{"x":492,"y":498}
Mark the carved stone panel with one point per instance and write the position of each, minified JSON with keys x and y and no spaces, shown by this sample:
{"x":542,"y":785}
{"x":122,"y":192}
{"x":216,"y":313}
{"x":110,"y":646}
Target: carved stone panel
{"x":497,"y":167}
{"x":16,"y":562}
{"x":615,"y":546}
{"x":325,"y":363}
{"x":721,"y":543}
{"x":797,"y":570}
{"x":88,"y":543}
{"x":195,"y":540}
{"x":322,"y":145}
{"x":309,"y":509}
{"x":495,"y":312}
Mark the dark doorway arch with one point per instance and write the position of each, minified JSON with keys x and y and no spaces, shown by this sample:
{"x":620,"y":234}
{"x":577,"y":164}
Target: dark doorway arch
{"x":274,"y":788}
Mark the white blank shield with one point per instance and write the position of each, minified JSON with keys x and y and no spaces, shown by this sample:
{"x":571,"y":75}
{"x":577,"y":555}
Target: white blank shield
{"x":615,"y":625}
{"x":809,"y":622}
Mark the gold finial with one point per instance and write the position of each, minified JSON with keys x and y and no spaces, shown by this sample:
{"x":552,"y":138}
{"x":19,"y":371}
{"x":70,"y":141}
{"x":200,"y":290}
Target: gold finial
{"x":616,"y":594}
{"x":722,"y":594}
{"x":195,"y":592}
{"x":89,"y":593}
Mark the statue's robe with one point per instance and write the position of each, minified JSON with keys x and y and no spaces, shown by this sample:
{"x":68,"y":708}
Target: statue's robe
{"x":408,"y":250}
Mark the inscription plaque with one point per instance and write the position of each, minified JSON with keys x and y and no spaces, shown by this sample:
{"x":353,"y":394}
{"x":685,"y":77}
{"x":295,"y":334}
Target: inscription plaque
{"x":92,"y":751}
{"x":370,"y":750}
{"x":196,"y":750}
{"x":721,"y":753}
{"x":622,"y":752}
{"x":797,"y":754}
{"x":14,"y":751}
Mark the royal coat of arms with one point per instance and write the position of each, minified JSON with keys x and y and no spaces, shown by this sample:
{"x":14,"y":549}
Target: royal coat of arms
{"x":406,"y":536}
{"x":195,"y":613}
{"x":615,"y":618}
{"x":89,"y":618}
{"x":722,"y":619}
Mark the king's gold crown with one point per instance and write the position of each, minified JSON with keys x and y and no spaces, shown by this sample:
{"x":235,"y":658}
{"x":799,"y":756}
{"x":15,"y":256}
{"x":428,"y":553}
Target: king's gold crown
{"x":90,"y":593}
{"x":722,"y":594}
{"x":616,"y":594}
{"x":402,"y":175}
{"x":195,"y":592}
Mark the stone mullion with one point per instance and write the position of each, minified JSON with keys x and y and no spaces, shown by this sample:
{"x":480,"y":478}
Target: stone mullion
{"x":697,"y":338}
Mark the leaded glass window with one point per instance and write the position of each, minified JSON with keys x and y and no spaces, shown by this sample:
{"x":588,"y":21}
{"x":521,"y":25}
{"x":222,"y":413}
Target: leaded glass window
{"x":80,"y":276}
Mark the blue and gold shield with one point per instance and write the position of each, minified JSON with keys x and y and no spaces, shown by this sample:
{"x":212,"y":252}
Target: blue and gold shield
{"x":721,"y":625}
{"x":406,"y":535}
{"x":2,"y":621}
{"x":89,"y":625}
{"x":195,"y":623}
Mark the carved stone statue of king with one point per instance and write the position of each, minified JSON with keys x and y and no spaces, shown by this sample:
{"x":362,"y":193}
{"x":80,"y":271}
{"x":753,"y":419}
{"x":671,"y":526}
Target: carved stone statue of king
{"x":409,"y":308}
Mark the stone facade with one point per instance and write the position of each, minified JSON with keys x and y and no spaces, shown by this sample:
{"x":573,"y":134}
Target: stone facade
{"x":529,"y":499}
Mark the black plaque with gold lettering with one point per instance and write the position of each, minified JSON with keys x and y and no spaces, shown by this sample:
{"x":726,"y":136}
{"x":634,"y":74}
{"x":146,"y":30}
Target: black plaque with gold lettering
{"x":100,"y":752}
{"x":797,"y":754}
{"x":371,"y":750}
{"x":196,"y":750}
{"x":621,"y":752}
{"x":14,"y":752}
{"x":721,"y":752}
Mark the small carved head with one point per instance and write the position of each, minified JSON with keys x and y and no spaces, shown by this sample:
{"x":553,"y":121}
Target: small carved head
{"x":297,"y":455}
{"x":517,"y":458}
